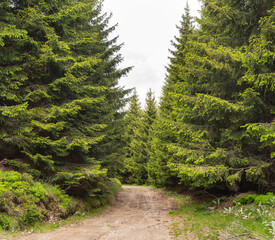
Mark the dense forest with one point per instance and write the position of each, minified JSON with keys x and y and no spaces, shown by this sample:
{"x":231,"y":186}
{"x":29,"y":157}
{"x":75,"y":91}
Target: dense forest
{"x":67,"y":133}
{"x":215,"y":125}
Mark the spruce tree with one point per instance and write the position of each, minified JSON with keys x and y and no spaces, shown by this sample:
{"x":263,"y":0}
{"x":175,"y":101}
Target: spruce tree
{"x":139,"y":136}
{"x":259,"y":60}
{"x":166,"y":127}
{"x":151,"y":110}
{"x":134,"y":170}
{"x":150,"y":117}
{"x":60,"y":99}
{"x":201,"y":140}
{"x":233,"y":22}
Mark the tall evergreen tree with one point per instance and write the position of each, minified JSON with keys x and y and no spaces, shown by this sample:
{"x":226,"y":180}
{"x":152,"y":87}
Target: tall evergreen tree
{"x":149,"y":117}
{"x":134,"y":170}
{"x":139,"y":137}
{"x":259,"y":61}
{"x":233,"y":22}
{"x":201,"y":140}
{"x":166,"y":127}
{"x":60,"y":100}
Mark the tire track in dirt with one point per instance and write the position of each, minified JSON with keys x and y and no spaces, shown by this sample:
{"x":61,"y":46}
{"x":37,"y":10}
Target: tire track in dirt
{"x":139,"y":213}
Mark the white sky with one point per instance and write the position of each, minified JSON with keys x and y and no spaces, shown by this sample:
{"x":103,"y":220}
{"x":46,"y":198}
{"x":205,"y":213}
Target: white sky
{"x":146,"y":27}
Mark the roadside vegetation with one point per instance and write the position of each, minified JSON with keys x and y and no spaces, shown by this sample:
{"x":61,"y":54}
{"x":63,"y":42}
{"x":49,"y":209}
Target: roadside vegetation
{"x":26,"y":203}
{"x":202,"y":216}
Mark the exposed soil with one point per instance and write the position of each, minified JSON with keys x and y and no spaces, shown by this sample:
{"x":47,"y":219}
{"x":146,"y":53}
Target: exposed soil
{"x":139,"y":213}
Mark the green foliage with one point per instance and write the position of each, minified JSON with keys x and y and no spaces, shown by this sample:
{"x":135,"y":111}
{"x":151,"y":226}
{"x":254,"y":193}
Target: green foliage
{"x":134,"y":161}
{"x":138,"y":138}
{"x":25,"y":201}
{"x":199,"y":219}
{"x":257,"y":199}
{"x":216,"y":125}
{"x":6,"y":222}
{"x":61,"y":115}
{"x":92,"y":185}
{"x":246,"y":199}
{"x":30,"y":217}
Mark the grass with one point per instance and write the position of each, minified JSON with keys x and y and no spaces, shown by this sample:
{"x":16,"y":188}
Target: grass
{"x":196,"y":221}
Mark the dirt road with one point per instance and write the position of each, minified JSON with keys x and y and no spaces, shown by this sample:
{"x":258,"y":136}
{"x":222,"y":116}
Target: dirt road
{"x":139,"y":213}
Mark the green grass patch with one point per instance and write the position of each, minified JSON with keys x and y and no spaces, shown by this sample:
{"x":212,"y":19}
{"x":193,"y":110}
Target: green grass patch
{"x":200,"y":221}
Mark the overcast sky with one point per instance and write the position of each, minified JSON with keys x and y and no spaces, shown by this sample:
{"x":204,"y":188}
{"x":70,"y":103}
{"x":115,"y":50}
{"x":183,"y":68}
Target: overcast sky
{"x":146,"y":28}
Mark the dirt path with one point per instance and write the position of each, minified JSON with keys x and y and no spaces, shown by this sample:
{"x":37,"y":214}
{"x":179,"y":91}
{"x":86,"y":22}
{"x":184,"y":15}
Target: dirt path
{"x":139,"y":213}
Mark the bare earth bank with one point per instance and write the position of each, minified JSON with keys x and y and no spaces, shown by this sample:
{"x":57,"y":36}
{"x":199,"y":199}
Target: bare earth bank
{"x":139,"y":213}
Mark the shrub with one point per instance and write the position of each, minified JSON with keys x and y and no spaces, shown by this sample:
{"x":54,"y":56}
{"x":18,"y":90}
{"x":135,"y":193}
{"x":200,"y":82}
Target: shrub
{"x":6,"y":222}
{"x":245,"y":199}
{"x":257,"y":199}
{"x":30,"y":217}
{"x":263,"y":199}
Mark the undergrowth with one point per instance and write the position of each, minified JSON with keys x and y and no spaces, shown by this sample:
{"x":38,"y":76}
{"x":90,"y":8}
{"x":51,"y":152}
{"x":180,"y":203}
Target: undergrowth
{"x":257,"y":199}
{"x":26,"y":203}
{"x":205,"y":221}
{"x":23,"y":201}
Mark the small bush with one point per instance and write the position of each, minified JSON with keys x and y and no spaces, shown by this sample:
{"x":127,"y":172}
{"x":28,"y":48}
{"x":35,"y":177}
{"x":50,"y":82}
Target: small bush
{"x":30,"y":217}
{"x":263,"y":199}
{"x":6,"y":222}
{"x":257,"y":199}
{"x":246,"y":199}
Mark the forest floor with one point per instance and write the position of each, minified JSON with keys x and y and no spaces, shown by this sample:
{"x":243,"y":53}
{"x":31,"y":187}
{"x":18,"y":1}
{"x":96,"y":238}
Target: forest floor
{"x":138,"y":213}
